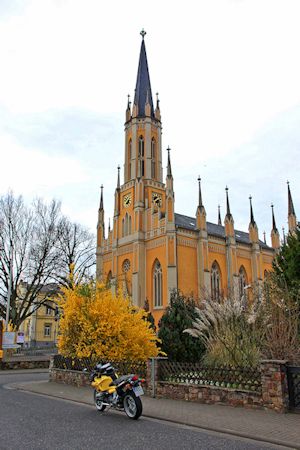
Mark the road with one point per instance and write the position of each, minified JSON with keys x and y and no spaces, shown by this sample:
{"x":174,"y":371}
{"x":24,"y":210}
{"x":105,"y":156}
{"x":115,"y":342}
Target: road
{"x":30,"y":421}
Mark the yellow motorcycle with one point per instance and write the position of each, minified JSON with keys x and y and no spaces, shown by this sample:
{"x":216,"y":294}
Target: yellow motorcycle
{"x":120,"y":393}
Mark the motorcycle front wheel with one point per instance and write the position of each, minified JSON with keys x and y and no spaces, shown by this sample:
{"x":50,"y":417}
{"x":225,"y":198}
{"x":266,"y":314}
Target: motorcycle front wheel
{"x":98,"y":402}
{"x":133,"y":406}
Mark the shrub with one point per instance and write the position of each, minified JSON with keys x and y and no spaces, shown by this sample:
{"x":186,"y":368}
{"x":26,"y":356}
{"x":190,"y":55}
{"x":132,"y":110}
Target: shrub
{"x":179,"y":315}
{"x":95,"y":323}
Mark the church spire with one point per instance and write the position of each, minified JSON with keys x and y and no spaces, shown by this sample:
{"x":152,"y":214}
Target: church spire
{"x":101,"y":199}
{"x":275,"y":237}
{"x":228,"y":213}
{"x":253,"y":230}
{"x":201,"y":213}
{"x":200,"y":204}
{"x":118,"y":180}
{"x":252,"y":221}
{"x":219,"y":215}
{"x":169,"y":169}
{"x":292,"y":220}
{"x":273,"y":219}
{"x":143,"y":93}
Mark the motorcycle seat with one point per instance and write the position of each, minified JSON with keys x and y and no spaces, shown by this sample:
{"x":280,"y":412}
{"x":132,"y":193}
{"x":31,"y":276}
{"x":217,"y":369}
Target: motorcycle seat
{"x":122,"y":378}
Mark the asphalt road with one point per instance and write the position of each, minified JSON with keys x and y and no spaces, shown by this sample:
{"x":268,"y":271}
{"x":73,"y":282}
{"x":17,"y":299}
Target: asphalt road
{"x":30,"y":421}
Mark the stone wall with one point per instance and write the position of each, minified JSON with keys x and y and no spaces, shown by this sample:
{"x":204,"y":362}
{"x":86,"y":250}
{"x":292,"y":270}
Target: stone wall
{"x":65,"y":376}
{"x":274,"y":394}
{"x":208,"y":395}
{"x":29,"y":364}
{"x":274,"y":385}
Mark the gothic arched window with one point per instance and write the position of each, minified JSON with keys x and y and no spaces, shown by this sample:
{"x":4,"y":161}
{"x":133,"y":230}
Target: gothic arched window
{"x":215,"y":279}
{"x":141,"y":156}
{"x":242,"y":284}
{"x":157,"y":284}
{"x":153,"y":155}
{"x":108,"y":279}
{"x":126,"y":225}
{"x":129,"y":158}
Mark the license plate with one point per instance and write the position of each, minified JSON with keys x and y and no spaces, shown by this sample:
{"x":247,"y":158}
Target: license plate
{"x":138,"y":390}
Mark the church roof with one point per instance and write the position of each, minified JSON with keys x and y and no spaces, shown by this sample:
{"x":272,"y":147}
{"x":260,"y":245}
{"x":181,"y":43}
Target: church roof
{"x":143,"y":92}
{"x":213,"y":229}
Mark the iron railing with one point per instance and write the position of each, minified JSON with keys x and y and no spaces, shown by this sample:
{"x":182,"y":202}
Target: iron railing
{"x":197,"y":374}
{"x":122,"y":367}
{"x":293,"y":377}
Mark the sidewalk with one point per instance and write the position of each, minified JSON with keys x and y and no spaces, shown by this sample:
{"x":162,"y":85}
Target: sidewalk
{"x":267,"y":426}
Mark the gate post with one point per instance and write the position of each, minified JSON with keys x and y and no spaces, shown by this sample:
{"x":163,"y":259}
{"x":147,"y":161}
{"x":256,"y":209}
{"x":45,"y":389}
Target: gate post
{"x":274,"y":385}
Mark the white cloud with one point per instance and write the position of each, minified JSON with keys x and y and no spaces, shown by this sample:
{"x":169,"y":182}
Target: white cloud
{"x":31,"y":172}
{"x":225,"y":71}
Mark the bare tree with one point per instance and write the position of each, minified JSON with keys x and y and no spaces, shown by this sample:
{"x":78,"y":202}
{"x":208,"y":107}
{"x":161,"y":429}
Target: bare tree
{"x":29,"y":255}
{"x":77,"y":251}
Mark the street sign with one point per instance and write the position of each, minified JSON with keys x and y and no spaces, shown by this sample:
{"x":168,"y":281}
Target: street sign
{"x":9,"y":338}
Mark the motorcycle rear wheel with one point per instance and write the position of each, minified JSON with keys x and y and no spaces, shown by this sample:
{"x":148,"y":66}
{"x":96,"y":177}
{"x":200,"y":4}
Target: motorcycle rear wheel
{"x":98,"y":402}
{"x":132,"y":406}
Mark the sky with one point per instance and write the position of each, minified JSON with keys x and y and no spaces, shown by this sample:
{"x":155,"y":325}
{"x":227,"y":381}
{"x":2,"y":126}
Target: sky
{"x":227,"y":73}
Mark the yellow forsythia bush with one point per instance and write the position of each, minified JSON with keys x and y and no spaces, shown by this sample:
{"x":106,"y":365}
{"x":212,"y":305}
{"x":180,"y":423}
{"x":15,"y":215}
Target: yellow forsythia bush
{"x":96,"y":323}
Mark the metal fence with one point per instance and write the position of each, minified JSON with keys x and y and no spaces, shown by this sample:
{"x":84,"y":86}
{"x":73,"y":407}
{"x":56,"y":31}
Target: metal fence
{"x":248,"y":379}
{"x":122,"y":367}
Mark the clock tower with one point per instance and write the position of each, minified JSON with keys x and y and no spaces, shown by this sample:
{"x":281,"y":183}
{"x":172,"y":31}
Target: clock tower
{"x":151,"y":250}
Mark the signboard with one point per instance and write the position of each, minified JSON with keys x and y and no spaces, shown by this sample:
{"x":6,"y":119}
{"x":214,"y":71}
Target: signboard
{"x":20,"y":337}
{"x":9,"y":340}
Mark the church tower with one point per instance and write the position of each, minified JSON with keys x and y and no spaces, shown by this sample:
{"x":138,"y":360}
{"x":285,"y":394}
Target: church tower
{"x":151,"y":250}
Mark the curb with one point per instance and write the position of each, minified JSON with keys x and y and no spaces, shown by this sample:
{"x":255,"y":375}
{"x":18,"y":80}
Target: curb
{"x":201,"y":427}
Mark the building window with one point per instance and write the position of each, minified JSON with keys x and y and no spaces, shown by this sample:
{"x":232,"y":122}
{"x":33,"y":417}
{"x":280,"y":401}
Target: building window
{"x":126,"y":266}
{"x":153,"y":151}
{"x":48,"y":310}
{"x":242,"y":284}
{"x":126,"y":225}
{"x":157,"y":285}
{"x":108,"y":279}
{"x":129,"y":158}
{"x":141,"y":156}
{"x":47,"y":330}
{"x":215,"y":278}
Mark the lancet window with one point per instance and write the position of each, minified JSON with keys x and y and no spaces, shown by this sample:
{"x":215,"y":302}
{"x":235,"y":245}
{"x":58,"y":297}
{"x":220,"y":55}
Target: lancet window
{"x":126,"y":225}
{"x":153,"y":156}
{"x":157,"y":284}
{"x":141,"y":156}
{"x":129,"y":159}
{"x":242,"y":284}
{"x":215,"y":278}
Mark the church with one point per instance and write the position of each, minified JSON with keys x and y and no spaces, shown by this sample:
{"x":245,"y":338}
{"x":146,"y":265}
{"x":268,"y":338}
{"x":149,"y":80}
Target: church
{"x":150,"y":249}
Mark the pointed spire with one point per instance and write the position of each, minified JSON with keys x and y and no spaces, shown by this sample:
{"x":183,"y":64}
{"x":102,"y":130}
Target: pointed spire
{"x":219,"y":215}
{"x":128,"y":102}
{"x":118,"y":181}
{"x":252,"y":221}
{"x":109,"y":224}
{"x":157,"y":101}
{"x":291,"y":209}
{"x":283,"y":236}
{"x":169,"y":169}
{"x":228,"y":213}
{"x":200,"y":204}
{"x":143,"y":93}
{"x":101,"y":198}
{"x":273,"y":219}
{"x":265,"y":240}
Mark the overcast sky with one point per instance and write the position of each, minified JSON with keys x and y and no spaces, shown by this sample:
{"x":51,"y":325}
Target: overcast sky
{"x":228,"y":77}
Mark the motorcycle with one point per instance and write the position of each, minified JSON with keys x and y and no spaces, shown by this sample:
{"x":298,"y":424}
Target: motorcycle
{"x":120,"y":393}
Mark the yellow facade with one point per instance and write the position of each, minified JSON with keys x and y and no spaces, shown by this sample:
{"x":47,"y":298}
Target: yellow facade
{"x":41,"y":327}
{"x":150,"y":250}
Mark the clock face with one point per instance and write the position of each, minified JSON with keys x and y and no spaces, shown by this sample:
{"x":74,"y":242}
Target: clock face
{"x":157,"y":199}
{"x":127,"y":200}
